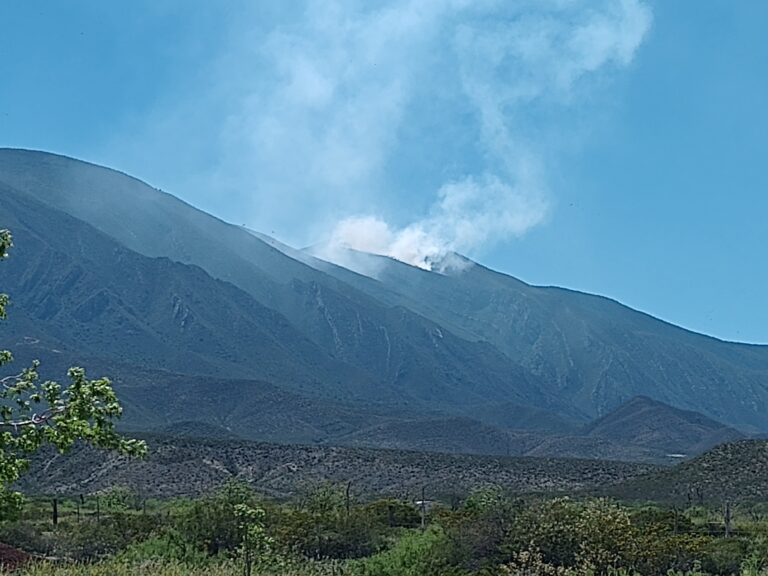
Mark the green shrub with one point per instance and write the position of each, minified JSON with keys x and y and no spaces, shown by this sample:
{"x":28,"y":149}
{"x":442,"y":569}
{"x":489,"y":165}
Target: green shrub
{"x":210,"y":523}
{"x":415,"y":554}
{"x":724,"y":555}
{"x":393,"y":513}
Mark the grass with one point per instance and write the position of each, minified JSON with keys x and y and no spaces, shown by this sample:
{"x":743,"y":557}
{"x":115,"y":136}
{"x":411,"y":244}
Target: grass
{"x":172,"y":568}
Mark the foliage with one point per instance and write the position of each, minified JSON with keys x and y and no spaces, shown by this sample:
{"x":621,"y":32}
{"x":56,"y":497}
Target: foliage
{"x":34,"y":413}
{"x":121,"y":567}
{"x":393,"y":513}
{"x":255,"y":544}
{"x":325,"y":524}
{"x":211,"y":523}
{"x":415,"y":554}
{"x":724,"y":555}
{"x":118,"y":498}
{"x":490,"y":534}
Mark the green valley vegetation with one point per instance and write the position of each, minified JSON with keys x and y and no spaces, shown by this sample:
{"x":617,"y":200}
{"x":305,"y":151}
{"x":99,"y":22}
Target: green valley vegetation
{"x":33,"y":414}
{"x":327,"y":531}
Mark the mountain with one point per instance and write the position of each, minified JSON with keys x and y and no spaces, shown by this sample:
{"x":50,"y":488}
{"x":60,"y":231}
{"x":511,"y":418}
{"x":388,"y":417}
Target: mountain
{"x":735,"y":472}
{"x":203,"y":321}
{"x":589,"y":350}
{"x":467,"y":436}
{"x":408,"y":358}
{"x":639,"y":430}
{"x":655,"y":425}
{"x":72,"y":284}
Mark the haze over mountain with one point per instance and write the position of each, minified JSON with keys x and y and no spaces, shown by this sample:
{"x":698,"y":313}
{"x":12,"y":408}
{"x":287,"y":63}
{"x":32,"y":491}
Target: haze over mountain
{"x":201,"y":320}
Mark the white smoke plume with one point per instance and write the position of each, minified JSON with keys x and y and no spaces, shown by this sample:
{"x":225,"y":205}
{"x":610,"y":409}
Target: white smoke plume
{"x":508,"y":61}
{"x":467,"y":214}
{"x":317,"y":114}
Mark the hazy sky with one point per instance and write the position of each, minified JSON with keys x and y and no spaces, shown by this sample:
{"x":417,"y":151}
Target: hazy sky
{"x":611,"y":146}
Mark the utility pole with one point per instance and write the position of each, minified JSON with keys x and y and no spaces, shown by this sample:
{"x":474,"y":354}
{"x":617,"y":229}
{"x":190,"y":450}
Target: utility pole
{"x":674,"y":511}
{"x":346,"y":496}
{"x":423,"y":509}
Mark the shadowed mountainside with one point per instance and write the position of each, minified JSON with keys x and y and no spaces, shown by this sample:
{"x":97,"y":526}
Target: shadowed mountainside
{"x":201,"y":321}
{"x":646,"y":422}
{"x":590,"y":350}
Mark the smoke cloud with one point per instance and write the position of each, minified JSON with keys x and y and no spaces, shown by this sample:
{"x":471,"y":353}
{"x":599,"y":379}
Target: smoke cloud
{"x":409,"y":128}
{"x":507,"y":63}
{"x":466,"y":214}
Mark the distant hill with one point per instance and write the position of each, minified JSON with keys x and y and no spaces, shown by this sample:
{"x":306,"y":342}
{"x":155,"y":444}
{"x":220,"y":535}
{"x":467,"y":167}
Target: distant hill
{"x":187,"y":466}
{"x":464,"y":435}
{"x":655,"y":425}
{"x":198,"y":320}
{"x":736,"y":472}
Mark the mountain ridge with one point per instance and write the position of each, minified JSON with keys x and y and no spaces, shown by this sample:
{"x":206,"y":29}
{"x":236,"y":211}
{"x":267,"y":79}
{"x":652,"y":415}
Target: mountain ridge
{"x":602,"y":334}
{"x":461,"y":345}
{"x":388,"y":342}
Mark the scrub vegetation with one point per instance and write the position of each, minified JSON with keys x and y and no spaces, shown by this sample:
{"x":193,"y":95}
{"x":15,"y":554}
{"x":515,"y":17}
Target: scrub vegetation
{"x":327,"y":531}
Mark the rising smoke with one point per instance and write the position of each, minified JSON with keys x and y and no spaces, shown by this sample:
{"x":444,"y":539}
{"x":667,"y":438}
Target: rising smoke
{"x":508,"y":59}
{"x":306,"y":115}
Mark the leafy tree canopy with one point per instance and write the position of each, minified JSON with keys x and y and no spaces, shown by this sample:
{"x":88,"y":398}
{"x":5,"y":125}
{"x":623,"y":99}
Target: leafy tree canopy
{"x":34,"y":413}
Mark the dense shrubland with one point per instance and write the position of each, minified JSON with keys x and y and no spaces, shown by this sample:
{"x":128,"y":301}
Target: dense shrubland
{"x":326,"y":532}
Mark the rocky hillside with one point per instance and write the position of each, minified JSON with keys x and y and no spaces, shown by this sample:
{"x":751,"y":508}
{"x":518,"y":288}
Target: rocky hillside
{"x":202,"y":321}
{"x":191,"y":466}
{"x":735,"y":472}
{"x":646,"y":422}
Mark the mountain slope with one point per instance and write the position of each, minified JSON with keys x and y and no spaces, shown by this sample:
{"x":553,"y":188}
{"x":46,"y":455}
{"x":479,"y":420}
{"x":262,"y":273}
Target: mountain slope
{"x":590,"y":350}
{"x":407,"y":355}
{"x":178,"y":466}
{"x":467,"y":436}
{"x":653,"y":424}
{"x":461,"y":342}
{"x":735,"y":472}
{"x":72,"y":284}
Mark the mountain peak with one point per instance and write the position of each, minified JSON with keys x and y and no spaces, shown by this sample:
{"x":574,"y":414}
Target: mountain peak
{"x":372,"y":263}
{"x":454,"y":338}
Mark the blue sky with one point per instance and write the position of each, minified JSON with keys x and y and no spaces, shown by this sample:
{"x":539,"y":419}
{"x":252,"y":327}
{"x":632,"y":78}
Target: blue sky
{"x":611,"y":146}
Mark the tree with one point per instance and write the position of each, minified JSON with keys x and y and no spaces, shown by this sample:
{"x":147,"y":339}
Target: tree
{"x":33,"y":414}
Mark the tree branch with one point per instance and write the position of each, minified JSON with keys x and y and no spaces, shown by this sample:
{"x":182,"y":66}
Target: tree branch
{"x":35,"y":419}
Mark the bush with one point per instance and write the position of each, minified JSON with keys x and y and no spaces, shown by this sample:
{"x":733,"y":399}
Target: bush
{"x":323,"y":527}
{"x":723,"y":555}
{"x":167,"y":547}
{"x":393,"y":513}
{"x":27,"y":536}
{"x":210,"y":524}
{"x":415,"y":554}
